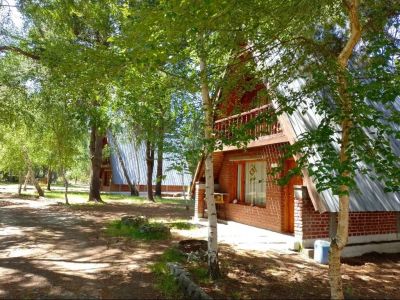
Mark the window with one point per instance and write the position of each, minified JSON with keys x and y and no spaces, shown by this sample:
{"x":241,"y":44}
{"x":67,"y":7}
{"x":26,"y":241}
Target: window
{"x":251,"y":182}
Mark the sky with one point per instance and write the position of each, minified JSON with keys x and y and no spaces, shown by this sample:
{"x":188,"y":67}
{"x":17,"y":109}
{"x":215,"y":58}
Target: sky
{"x":9,"y":11}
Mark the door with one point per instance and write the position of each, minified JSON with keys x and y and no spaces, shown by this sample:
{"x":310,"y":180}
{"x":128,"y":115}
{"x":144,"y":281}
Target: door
{"x":289,"y":207}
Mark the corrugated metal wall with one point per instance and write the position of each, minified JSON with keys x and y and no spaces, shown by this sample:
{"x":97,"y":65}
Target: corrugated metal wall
{"x":134,"y":158}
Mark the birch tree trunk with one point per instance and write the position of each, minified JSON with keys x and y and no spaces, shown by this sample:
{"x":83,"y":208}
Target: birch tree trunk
{"x":213,"y":265}
{"x":96,"y":149}
{"x":341,"y":237}
{"x":132,"y":188}
{"x":150,"y":169}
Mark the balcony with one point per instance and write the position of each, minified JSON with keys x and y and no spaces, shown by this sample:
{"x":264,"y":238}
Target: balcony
{"x":223,"y":127}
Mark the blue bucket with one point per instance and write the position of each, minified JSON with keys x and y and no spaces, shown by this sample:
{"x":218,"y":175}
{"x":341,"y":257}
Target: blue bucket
{"x":321,"y":251}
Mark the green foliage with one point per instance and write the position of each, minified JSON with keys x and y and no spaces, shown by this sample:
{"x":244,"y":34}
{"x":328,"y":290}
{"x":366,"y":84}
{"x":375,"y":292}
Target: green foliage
{"x":182,"y":225}
{"x":200,"y":273}
{"x":166,"y":282}
{"x":300,"y":64}
{"x":153,"y":231}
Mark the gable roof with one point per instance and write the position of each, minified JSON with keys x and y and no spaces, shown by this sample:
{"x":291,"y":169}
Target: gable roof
{"x":134,"y":157}
{"x":369,"y":196}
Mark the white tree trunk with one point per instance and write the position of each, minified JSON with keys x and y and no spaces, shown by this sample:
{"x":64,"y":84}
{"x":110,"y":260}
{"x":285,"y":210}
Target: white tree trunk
{"x":213,"y":265}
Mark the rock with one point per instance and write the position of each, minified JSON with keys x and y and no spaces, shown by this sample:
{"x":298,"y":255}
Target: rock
{"x":134,"y":221}
{"x":189,"y":288}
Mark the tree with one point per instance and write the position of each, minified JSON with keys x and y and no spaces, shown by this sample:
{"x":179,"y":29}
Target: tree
{"x":326,"y":60}
{"x":189,"y":36}
{"x":68,"y":42}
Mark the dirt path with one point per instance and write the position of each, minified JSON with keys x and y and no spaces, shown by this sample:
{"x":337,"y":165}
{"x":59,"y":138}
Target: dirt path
{"x":49,"y":251}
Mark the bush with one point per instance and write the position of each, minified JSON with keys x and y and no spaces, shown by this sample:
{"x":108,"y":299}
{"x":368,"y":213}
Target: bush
{"x":134,"y":221}
{"x":149,"y":231}
{"x":157,"y":230}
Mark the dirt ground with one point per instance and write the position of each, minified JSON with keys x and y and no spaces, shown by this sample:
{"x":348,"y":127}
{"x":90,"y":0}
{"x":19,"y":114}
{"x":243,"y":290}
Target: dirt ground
{"x":52,"y":251}
{"x":271,"y":275}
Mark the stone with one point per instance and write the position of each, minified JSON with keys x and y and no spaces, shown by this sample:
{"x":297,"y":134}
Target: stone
{"x":190,"y":289}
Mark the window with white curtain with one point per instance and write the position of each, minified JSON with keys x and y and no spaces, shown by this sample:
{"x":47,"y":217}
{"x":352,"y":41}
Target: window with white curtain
{"x":255,"y":182}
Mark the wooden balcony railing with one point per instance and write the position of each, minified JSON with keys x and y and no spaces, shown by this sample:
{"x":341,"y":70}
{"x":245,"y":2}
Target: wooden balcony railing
{"x":223,"y":127}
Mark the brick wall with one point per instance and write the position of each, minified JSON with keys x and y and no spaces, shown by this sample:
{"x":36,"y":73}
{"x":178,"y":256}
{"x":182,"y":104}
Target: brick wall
{"x":268,"y":217}
{"x":310,"y":224}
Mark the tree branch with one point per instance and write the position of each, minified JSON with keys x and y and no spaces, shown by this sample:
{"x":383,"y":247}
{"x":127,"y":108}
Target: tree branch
{"x":19,"y":51}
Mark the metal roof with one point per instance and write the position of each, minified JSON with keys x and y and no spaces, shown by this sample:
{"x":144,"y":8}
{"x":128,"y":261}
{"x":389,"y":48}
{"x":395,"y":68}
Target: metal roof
{"x":370,"y":195}
{"x":134,"y":157}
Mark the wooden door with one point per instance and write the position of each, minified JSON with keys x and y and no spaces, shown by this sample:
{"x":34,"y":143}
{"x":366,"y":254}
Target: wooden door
{"x":289,"y":207}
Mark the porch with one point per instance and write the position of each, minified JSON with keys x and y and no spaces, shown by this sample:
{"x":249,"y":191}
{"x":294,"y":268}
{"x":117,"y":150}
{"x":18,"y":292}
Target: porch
{"x":246,"y":237}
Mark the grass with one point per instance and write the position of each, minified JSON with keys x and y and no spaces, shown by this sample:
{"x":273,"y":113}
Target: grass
{"x":200,"y":273}
{"x":165,"y":281}
{"x":118,"y":229}
{"x":83,"y":196}
{"x":182,"y":225}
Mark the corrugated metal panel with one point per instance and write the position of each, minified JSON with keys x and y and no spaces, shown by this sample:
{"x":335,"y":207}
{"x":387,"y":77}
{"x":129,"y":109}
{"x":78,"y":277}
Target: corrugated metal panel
{"x":370,"y":195}
{"x":134,"y":157}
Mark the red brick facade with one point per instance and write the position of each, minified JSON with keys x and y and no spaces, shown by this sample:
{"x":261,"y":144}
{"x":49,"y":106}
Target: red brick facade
{"x":273,"y":215}
{"x":310,"y":224}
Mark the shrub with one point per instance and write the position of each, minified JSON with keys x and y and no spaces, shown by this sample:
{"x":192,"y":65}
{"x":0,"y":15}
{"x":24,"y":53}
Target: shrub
{"x":150,"y":231}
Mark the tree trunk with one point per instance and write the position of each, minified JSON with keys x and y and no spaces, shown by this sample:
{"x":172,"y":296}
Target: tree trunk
{"x":31,"y":173}
{"x":184,"y":190}
{"x":35,"y":182}
{"x":132,"y":188}
{"x":66,"y":186}
{"x":49,"y":179}
{"x":341,"y":237}
{"x":213,"y":265}
{"x":150,"y":167}
{"x":137,"y":166}
{"x":159,"y":175}
{"x":20,"y":183}
{"x":96,"y":149}
{"x":26,"y":181}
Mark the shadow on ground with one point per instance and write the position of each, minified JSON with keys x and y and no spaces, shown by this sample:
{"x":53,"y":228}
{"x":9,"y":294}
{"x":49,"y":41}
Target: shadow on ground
{"x":54,"y":251}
